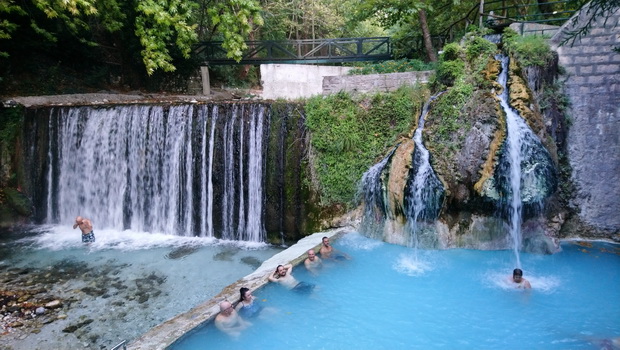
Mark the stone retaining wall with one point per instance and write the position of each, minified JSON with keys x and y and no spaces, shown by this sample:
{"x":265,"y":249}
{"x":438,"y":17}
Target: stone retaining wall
{"x":372,"y":82}
{"x":593,"y":86}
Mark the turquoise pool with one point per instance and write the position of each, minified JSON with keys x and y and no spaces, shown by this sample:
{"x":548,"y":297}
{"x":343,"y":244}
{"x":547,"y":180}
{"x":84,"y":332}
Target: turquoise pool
{"x":387,"y":297}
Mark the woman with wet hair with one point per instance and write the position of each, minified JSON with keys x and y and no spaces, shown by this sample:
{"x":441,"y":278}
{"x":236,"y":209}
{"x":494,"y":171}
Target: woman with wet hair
{"x":246,"y":306}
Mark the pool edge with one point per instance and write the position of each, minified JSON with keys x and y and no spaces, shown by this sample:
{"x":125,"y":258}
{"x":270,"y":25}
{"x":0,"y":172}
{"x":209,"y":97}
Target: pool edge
{"x":165,"y":334}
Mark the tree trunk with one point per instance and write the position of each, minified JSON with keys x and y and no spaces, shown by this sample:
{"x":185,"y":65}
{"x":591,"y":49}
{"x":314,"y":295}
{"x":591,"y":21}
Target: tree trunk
{"x":428,"y":44}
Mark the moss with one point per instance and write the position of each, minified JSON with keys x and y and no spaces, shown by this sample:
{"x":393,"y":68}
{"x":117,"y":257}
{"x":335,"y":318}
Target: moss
{"x":16,"y":200}
{"x":11,"y":122}
{"x":349,"y":134}
{"x":530,"y":50}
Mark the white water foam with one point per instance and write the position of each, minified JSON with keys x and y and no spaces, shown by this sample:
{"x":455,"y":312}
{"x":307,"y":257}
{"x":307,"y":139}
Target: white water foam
{"x":503,"y":280}
{"x":356,"y":241}
{"x":413,"y":265}
{"x":63,"y":237}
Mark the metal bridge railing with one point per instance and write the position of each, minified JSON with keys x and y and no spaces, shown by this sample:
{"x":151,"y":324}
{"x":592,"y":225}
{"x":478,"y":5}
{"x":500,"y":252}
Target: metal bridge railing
{"x":300,"y":51}
{"x":551,"y":13}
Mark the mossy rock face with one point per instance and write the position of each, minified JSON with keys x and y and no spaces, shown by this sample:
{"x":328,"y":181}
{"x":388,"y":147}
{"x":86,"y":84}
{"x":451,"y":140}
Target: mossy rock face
{"x":468,"y":156}
{"x":18,"y":201}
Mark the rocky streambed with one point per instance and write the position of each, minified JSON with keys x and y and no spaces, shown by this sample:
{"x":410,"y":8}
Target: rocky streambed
{"x":57,"y":308}
{"x":56,"y":293}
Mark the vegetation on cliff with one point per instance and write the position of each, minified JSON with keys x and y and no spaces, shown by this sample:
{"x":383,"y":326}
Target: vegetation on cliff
{"x":350,"y":133}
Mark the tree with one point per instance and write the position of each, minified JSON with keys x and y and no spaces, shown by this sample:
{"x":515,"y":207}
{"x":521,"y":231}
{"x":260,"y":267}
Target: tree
{"x":395,"y":12}
{"x":158,"y":25}
{"x":591,"y":12}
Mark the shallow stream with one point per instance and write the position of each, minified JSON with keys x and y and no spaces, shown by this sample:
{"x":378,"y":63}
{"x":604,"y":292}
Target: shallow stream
{"x":114,"y":289}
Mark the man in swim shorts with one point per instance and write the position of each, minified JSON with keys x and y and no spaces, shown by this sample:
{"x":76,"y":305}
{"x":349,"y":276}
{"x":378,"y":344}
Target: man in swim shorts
{"x":86,"y":226}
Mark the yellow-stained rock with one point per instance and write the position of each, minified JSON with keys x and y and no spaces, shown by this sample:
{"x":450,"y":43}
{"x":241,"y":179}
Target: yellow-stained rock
{"x":399,"y":170}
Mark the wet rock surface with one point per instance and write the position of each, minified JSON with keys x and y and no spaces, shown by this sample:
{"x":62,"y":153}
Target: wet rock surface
{"x":52,"y":304}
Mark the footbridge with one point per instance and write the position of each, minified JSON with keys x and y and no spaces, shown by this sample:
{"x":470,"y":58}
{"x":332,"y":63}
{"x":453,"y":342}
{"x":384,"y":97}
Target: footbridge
{"x":310,"y":51}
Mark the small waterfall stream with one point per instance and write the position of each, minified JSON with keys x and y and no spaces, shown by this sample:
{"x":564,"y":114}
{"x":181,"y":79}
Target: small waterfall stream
{"x":524,"y":166}
{"x":424,"y":193}
{"x":371,"y":188}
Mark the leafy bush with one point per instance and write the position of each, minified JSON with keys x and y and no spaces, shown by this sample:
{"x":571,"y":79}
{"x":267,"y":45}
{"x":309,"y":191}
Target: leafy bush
{"x":449,"y":71}
{"x":448,"y":120}
{"x":529,"y":50}
{"x":350,"y":133}
{"x":451,"y":52}
{"x":394,"y":66}
{"x":479,"y":46}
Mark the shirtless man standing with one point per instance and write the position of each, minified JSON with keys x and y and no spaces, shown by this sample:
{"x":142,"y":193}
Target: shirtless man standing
{"x":86,"y":226}
{"x":229,"y":321}
{"x":312,"y":262}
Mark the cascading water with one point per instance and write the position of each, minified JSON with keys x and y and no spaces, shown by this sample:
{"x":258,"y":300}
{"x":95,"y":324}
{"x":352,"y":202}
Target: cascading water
{"x":424,"y":192}
{"x":371,"y":187}
{"x":159,"y":169}
{"x":530,"y":172}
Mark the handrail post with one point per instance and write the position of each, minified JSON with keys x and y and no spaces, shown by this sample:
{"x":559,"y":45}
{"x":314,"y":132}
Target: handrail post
{"x":481,"y":13}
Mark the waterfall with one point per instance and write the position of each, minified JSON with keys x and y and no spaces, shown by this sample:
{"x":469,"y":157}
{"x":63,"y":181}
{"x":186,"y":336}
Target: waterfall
{"x":190,"y":170}
{"x":530,"y":172}
{"x":424,"y":192}
{"x":371,"y":187}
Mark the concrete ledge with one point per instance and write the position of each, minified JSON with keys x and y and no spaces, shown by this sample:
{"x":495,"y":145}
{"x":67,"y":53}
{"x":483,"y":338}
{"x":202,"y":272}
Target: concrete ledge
{"x":163,"y":335}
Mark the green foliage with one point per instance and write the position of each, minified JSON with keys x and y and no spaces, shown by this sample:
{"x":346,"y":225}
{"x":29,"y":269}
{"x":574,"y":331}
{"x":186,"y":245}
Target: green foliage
{"x":448,"y":119}
{"x":478,"y":52}
{"x":530,"y":50}
{"x":11,"y":120}
{"x":451,"y":52}
{"x":393,"y":66}
{"x":478,"y":46}
{"x":165,"y":29}
{"x":234,"y":19}
{"x":450,"y":68}
{"x":300,"y":19}
{"x":158,"y":24}
{"x":450,"y":109}
{"x":449,"y":71}
{"x":349,"y":134}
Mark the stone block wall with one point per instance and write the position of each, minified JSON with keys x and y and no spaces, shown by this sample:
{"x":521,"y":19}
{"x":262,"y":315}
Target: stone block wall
{"x":372,"y":82}
{"x":593,"y":87}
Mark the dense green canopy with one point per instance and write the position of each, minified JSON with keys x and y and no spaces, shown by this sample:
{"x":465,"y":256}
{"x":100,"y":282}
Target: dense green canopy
{"x":139,"y":39}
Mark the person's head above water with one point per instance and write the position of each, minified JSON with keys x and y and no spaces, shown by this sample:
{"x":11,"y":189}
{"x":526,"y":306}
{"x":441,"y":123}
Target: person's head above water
{"x":280,"y":270}
{"x":244,"y":294}
{"x":325,"y":241}
{"x":517,"y":275}
{"x":311,"y":254}
{"x":226,"y":307}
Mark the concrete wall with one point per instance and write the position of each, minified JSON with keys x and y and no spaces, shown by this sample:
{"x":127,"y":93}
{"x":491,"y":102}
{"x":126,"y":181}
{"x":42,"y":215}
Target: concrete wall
{"x":593,"y":86}
{"x":373,"y":82}
{"x":291,"y":81}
